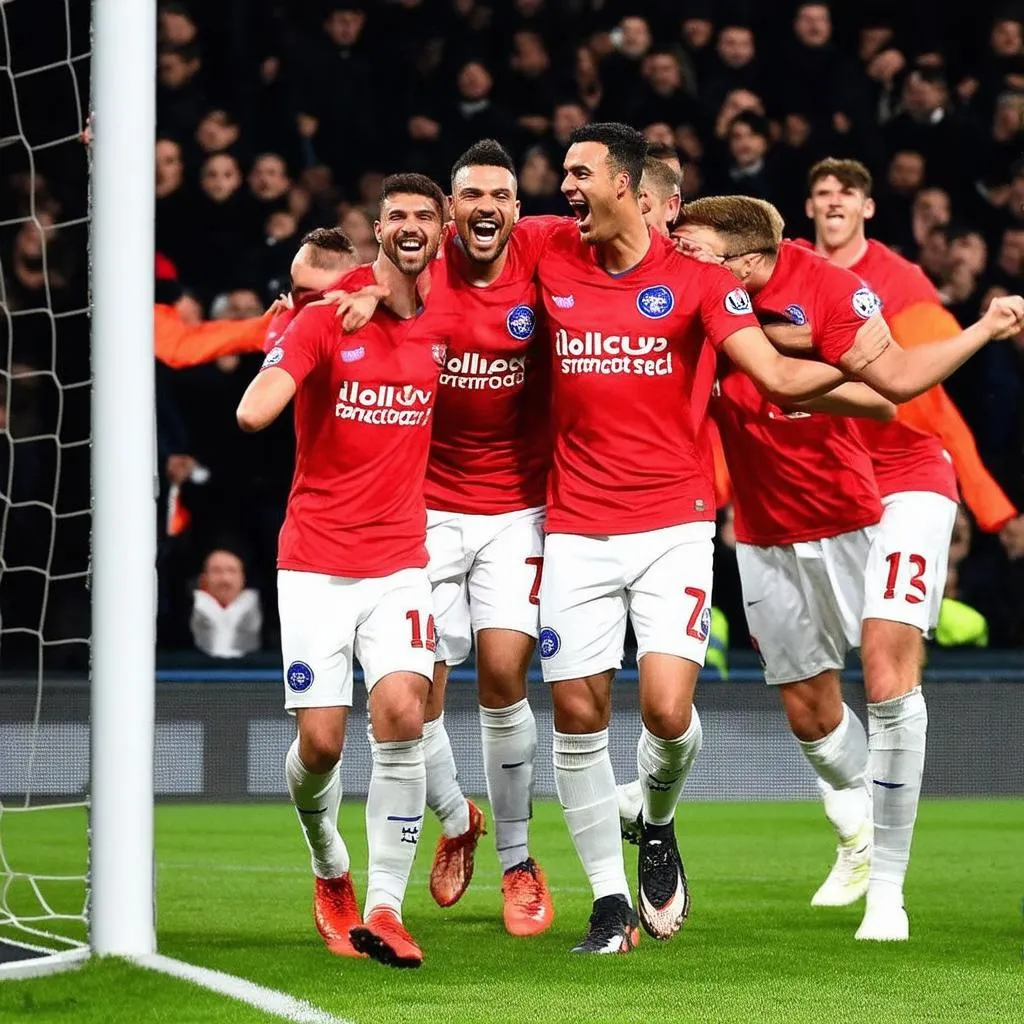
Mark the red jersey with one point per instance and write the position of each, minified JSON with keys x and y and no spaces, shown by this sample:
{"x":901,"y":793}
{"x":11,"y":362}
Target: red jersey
{"x":363,"y":413}
{"x":799,"y":476}
{"x":491,"y":442}
{"x":628,"y":403}
{"x":906,"y":459}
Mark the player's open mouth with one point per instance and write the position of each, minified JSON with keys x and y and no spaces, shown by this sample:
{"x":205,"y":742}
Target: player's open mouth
{"x":485,"y":231}
{"x":581,"y":211}
{"x":410,"y":245}
{"x":835,"y":215}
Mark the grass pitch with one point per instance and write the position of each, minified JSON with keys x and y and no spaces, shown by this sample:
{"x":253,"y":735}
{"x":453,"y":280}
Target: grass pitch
{"x":234,"y":894}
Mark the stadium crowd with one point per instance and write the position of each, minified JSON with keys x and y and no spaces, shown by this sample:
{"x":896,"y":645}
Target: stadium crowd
{"x":275,"y":117}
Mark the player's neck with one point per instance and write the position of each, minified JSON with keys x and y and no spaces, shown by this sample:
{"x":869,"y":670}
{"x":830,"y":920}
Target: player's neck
{"x":480,"y":275}
{"x":761,"y":274}
{"x":627,"y":248}
{"x":845,"y":255}
{"x":404,"y":300}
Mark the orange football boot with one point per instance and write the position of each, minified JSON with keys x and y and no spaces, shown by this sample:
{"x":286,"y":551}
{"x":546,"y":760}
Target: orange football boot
{"x":336,"y":913}
{"x":383,"y":938}
{"x":528,"y":909}
{"x":453,"y":860}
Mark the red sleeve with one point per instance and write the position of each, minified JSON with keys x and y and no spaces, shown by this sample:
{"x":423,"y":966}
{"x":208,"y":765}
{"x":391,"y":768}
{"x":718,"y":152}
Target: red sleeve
{"x":536,"y":232}
{"x":845,"y":304}
{"x":725,"y":308}
{"x":278,"y":325}
{"x":299,"y":349}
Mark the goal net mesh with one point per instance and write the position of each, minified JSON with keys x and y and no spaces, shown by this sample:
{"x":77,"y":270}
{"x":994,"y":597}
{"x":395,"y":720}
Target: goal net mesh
{"x":44,"y":472}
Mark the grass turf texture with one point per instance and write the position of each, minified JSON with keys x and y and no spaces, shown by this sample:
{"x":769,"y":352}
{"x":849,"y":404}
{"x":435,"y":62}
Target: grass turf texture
{"x":234,"y":894}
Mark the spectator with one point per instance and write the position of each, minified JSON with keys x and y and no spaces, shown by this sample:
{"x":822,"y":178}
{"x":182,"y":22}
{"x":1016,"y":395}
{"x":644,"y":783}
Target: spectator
{"x":226,"y":617}
{"x":538,"y":186}
{"x":748,"y":171}
{"x":737,"y":67}
{"x":180,"y":99}
{"x":357,"y":226}
{"x":589,"y":89}
{"x":621,"y":72}
{"x":530,"y":90}
{"x":662,"y":98}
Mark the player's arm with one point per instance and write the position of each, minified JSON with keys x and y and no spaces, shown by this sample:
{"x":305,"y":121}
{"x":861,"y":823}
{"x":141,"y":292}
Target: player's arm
{"x":779,"y":378}
{"x":354,"y":308}
{"x":285,"y":367}
{"x":266,"y":397}
{"x":852,"y":399}
{"x":899,"y":374}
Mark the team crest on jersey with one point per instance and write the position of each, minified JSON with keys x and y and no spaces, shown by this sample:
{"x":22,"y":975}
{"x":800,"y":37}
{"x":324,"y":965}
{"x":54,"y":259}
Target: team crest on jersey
{"x":299,"y":676}
{"x":521,"y":322}
{"x":352,"y":355}
{"x":797,"y":314}
{"x":705,"y":623}
{"x":564,"y":301}
{"x":737,"y":302}
{"x":273,"y":357}
{"x":549,"y":642}
{"x":439,"y":350}
{"x":656,"y":301}
{"x":866,"y":303}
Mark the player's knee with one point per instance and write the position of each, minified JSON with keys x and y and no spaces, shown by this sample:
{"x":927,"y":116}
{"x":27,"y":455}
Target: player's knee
{"x":398,"y":718}
{"x":578,"y":708}
{"x":667,"y":720}
{"x":320,"y":747}
{"x":501,"y":687}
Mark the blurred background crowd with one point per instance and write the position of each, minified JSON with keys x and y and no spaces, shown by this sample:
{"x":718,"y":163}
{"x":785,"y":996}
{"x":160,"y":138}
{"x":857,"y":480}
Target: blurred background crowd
{"x":278,"y":116}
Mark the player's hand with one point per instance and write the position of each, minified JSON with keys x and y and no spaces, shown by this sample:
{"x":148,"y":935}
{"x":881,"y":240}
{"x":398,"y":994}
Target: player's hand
{"x":699,"y":252}
{"x":280,"y":304}
{"x":355,"y":308}
{"x":1012,"y":538}
{"x":1004,"y":317}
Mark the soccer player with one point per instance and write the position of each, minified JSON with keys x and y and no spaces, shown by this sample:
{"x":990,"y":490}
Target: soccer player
{"x":804,"y":605}
{"x":917,"y":478}
{"x":485,"y":489}
{"x":352,"y":558}
{"x":659,"y":195}
{"x":631,"y":511}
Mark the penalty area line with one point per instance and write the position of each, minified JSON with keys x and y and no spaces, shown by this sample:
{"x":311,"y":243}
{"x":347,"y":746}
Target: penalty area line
{"x":269,"y":1000}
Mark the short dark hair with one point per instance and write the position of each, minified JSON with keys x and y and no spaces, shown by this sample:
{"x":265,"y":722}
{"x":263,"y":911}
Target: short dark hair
{"x":660,"y":151}
{"x":627,"y":147}
{"x":485,"y":153}
{"x":412,"y":184}
{"x":758,"y":124}
{"x":329,"y":240}
{"x":849,"y":174}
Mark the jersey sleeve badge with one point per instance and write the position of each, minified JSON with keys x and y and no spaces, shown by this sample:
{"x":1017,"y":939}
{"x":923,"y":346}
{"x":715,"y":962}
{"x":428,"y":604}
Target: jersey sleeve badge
{"x":866,"y":303}
{"x":737,"y":302}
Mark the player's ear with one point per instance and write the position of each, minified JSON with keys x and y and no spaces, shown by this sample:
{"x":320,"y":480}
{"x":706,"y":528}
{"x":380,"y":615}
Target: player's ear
{"x":644,"y":199}
{"x":451,"y":207}
{"x":377,"y":233}
{"x":869,"y":208}
{"x":808,"y":208}
{"x":515,"y":217}
{"x":672,"y":210}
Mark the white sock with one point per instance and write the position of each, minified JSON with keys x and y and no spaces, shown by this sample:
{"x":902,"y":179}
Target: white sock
{"x":631,"y":800}
{"x":586,"y":789}
{"x":394,"y":816}
{"x":444,"y":797}
{"x":840,"y":760}
{"x":897,"y":735}
{"x":316,"y":799}
{"x":509,"y":739}
{"x":663,"y":766}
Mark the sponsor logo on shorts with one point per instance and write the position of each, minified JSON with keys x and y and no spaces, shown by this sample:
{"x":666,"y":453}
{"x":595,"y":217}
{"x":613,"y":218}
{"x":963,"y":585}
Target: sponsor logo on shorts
{"x":797,"y":315}
{"x":352,"y":355}
{"x":521,"y":322}
{"x":549,"y":642}
{"x":299,"y":676}
{"x":384,"y":404}
{"x":642,"y":355}
{"x":705,"y":623}
{"x":564,"y":301}
{"x":866,"y":303}
{"x":737,"y":302}
{"x":656,"y":302}
{"x":273,"y":357}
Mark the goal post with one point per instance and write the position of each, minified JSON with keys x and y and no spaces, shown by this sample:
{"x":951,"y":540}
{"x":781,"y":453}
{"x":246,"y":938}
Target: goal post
{"x":121,"y":910}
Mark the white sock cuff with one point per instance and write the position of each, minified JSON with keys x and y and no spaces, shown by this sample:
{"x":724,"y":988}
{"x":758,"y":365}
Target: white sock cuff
{"x":511,"y":717}
{"x":401,"y":754}
{"x":580,"y":743}
{"x":831,"y":742}
{"x":295,"y":768}
{"x":892,"y":711}
{"x":692,"y":738}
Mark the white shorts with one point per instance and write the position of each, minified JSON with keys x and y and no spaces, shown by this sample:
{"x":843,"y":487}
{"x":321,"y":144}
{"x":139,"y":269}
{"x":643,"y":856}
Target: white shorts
{"x":906,"y":573}
{"x":661,"y":578}
{"x":803,"y":602}
{"x":485,"y":571}
{"x":386,"y":622}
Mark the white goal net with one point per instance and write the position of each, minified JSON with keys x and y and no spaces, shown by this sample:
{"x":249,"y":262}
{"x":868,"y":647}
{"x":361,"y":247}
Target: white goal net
{"x":44,"y":476}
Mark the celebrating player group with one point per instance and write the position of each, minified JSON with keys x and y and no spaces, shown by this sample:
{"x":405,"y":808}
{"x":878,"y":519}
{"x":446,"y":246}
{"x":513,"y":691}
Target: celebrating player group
{"x":504,"y":441}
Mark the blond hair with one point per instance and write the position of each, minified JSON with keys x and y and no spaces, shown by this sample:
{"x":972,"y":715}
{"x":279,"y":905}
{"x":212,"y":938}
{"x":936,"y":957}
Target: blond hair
{"x":745,"y":224}
{"x":660,"y":179}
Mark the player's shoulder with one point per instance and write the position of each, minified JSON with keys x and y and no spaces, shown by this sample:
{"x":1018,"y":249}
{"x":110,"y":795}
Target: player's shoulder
{"x":899,"y":282}
{"x":562,"y":238}
{"x":356,"y":278}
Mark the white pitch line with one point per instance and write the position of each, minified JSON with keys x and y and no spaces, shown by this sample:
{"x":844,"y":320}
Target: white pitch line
{"x":269,"y":1000}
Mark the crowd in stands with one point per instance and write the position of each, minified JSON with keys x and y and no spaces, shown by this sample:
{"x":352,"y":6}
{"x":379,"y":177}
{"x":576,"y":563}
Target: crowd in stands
{"x":278,"y":116}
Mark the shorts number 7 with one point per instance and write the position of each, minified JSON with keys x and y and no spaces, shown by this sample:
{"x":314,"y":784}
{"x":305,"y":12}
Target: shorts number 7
{"x":538,"y":568}
{"x":699,"y":597}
